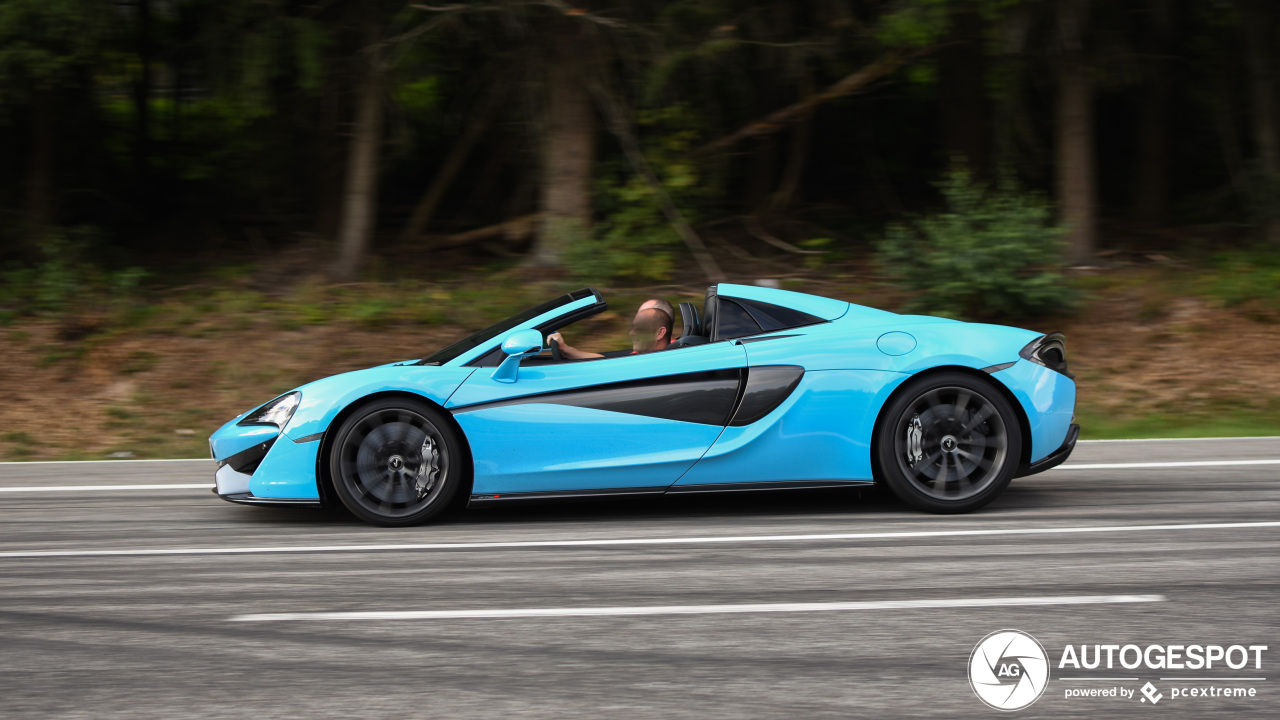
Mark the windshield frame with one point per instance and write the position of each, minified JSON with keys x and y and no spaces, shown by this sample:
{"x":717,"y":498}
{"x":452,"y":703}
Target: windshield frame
{"x":537,"y":315}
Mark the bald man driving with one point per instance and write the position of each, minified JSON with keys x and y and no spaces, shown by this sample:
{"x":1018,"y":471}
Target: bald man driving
{"x":650,"y":331}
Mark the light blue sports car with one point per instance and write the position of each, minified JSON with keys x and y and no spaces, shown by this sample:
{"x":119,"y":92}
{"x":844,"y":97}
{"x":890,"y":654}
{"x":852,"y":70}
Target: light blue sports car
{"x":764,"y":389}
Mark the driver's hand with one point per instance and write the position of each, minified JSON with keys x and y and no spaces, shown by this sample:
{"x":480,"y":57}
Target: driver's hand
{"x":556,"y":338}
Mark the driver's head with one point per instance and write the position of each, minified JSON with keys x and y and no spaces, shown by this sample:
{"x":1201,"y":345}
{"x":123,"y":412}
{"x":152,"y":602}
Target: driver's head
{"x":651,"y":330}
{"x":659,"y":303}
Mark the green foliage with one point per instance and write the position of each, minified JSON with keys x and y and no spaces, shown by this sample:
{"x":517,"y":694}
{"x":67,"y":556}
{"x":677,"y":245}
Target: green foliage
{"x":44,"y":42}
{"x":266,"y":49}
{"x":20,"y":443}
{"x":992,"y":253}
{"x":635,"y":242}
{"x":420,"y":97}
{"x":915,"y":24}
{"x":67,"y":279}
{"x":1242,"y":277}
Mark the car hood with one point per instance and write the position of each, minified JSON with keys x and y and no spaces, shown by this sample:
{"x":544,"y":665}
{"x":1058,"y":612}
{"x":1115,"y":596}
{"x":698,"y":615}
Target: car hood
{"x":323,"y":399}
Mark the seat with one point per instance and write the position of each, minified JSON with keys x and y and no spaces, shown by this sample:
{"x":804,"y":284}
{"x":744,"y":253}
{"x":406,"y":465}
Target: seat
{"x":709,"y":313}
{"x":691,"y":327}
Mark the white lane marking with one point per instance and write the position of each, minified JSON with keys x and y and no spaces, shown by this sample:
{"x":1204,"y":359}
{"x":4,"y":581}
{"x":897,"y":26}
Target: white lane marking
{"x":1092,"y":466}
{"x":1192,"y":439}
{"x":1179,"y":464}
{"x":87,"y":488}
{"x":699,"y":609}
{"x":605,"y":542}
{"x":101,"y":462}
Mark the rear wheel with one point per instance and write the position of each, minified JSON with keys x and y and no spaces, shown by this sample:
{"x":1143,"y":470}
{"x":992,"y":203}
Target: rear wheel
{"x":949,"y":444}
{"x":395,"y":462}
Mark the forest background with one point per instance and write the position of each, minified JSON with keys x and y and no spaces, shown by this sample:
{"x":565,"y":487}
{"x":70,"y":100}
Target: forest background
{"x":206,"y":203}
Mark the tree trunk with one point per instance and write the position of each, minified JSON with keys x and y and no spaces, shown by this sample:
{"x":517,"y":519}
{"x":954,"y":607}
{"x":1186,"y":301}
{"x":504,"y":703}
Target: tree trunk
{"x":360,"y":198}
{"x":39,"y":180}
{"x":1076,"y":182}
{"x":962,"y":86}
{"x":568,"y":154}
{"x":426,"y":206}
{"x":850,"y":84}
{"x":1258,"y":20}
{"x":489,"y":177}
{"x":1153,"y":136}
{"x":762,"y":174}
{"x":327,"y":154}
{"x":788,"y":192}
{"x":142,"y":103}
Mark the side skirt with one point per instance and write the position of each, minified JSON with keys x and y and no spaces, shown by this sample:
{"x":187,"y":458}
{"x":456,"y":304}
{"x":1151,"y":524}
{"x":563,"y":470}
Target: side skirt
{"x":494,"y":499}
{"x":773,"y":485}
{"x":500,"y":498}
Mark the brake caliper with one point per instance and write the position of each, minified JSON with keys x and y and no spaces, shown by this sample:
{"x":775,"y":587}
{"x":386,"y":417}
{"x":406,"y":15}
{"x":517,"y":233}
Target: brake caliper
{"x":428,"y":469}
{"x":915,"y":441}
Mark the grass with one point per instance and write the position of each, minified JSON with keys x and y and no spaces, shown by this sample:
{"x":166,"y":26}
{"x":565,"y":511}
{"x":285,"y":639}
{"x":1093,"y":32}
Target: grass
{"x":20,"y":444}
{"x":1095,"y":425}
{"x":241,"y":341}
{"x":1241,"y":278}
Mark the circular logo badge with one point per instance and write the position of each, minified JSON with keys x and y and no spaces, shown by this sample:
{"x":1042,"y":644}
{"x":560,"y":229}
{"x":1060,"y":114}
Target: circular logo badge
{"x":1008,"y":670}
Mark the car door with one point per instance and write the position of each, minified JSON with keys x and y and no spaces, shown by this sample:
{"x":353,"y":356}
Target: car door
{"x":629,"y":424}
{"x":805,"y":420}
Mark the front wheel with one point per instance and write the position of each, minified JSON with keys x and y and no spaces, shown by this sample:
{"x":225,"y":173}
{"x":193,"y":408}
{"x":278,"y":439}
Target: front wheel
{"x":949,"y":444}
{"x":395,"y":462}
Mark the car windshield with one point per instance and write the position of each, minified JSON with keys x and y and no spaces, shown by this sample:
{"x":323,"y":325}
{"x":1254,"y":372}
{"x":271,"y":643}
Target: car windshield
{"x":475,"y":339}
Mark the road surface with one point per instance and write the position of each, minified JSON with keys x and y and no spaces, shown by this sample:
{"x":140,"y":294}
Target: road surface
{"x":164,"y":602}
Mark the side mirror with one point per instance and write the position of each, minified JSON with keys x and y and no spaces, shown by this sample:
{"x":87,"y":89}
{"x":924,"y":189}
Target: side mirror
{"x":519,"y":344}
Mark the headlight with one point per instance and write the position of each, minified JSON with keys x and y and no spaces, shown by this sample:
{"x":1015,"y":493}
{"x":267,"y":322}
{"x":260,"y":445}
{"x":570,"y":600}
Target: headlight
{"x":1050,"y":351}
{"x":277,"y":412}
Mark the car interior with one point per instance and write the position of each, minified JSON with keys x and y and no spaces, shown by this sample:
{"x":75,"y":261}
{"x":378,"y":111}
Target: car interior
{"x":721,"y":319}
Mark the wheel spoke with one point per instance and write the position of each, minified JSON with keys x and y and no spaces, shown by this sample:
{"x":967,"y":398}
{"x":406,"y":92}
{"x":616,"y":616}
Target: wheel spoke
{"x":383,"y":458}
{"x":933,"y":399}
{"x":940,"y":482}
{"x":978,"y":418}
{"x":975,"y":459}
{"x":927,"y":463}
{"x":963,"y":437}
{"x":384,"y":503}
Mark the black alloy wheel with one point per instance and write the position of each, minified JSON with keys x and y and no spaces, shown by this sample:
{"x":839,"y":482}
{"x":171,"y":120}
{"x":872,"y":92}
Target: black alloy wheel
{"x":395,"y":462}
{"x":950,"y":443}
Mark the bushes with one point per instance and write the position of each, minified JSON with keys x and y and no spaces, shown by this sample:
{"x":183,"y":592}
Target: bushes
{"x":66,"y":280}
{"x":992,"y":253}
{"x":1244,"y":277}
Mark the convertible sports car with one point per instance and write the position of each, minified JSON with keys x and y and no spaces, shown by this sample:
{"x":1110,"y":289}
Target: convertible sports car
{"x":763,"y":389}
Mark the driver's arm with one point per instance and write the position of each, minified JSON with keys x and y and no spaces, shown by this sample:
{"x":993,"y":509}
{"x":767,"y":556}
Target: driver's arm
{"x":568,"y":350}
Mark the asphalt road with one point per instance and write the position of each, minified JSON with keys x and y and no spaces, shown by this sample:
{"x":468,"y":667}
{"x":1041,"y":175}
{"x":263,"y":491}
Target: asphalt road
{"x":151,"y":603}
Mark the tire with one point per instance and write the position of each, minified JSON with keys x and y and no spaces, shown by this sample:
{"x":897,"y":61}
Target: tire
{"x":396,"y":462}
{"x":949,"y":443}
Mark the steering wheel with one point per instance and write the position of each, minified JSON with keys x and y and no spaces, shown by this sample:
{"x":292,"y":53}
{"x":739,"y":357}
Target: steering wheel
{"x":555,"y":351}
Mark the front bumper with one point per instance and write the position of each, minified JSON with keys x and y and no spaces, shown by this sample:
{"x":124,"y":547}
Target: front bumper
{"x":246,"y":498}
{"x":262,"y":466}
{"x":1055,"y":458}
